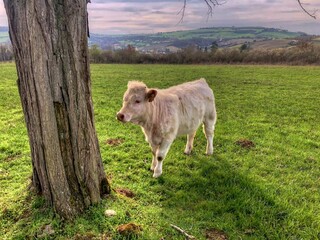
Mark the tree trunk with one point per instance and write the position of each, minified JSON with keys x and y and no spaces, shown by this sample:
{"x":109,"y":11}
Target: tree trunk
{"x":49,"y":39}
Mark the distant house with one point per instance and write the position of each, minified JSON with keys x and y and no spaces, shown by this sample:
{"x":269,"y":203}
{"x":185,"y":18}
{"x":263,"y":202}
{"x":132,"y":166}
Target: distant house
{"x":117,"y":46}
{"x":293,"y":43}
{"x":172,"y":49}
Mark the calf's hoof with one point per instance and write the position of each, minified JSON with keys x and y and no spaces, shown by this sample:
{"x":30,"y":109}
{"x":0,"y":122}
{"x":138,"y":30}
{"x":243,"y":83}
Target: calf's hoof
{"x":187,"y":152}
{"x":157,"y":174}
{"x":209,"y":153}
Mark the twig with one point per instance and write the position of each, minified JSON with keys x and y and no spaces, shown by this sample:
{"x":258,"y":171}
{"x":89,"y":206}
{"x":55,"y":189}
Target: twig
{"x":182,"y":11}
{"x":313,"y":15}
{"x":210,"y":5}
{"x":188,"y":236}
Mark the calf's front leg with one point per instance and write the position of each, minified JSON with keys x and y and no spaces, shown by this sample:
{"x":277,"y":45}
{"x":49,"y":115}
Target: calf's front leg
{"x":161,"y":153}
{"x":154,"y":158}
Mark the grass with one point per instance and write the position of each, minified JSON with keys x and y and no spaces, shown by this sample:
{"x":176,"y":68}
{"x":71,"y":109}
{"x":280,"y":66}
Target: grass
{"x":269,"y":191}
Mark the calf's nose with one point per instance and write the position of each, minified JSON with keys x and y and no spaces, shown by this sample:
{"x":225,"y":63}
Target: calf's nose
{"x":120,"y":116}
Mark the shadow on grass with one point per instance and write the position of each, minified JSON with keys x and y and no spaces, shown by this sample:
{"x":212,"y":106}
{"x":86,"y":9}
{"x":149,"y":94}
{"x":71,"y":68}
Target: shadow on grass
{"x":208,"y":193}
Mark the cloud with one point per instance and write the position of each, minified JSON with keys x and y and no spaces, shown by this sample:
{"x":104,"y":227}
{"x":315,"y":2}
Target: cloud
{"x":3,"y":18}
{"x":145,"y":16}
{"x":120,"y":16}
{"x":134,"y":16}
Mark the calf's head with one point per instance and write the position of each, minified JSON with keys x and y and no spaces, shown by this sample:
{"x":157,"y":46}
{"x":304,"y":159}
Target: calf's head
{"x":135,"y":102}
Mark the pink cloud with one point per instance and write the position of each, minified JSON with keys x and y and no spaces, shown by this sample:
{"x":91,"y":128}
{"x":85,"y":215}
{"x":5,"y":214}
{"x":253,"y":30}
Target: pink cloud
{"x":141,"y":16}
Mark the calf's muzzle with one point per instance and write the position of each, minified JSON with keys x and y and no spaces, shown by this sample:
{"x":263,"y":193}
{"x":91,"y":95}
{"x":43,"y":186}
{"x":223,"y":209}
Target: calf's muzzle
{"x":120,"y":116}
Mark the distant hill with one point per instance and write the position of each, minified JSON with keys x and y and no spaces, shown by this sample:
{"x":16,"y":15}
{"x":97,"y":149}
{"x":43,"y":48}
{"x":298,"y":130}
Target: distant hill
{"x":4,"y":35}
{"x":232,"y":33}
{"x":204,"y":37}
{"x":4,"y":29}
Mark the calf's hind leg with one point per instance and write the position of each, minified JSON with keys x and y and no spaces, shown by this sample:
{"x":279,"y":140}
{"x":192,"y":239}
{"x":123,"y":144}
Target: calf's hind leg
{"x":189,"y":146}
{"x":208,"y":128}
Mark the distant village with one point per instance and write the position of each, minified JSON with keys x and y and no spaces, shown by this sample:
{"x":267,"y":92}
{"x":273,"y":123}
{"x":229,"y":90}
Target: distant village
{"x":203,"y":39}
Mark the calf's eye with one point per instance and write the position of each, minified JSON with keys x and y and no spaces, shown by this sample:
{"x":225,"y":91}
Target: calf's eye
{"x":137,"y":101}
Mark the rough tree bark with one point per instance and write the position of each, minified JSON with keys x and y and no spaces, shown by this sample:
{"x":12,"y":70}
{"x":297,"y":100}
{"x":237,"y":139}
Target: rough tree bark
{"x":49,"y":39}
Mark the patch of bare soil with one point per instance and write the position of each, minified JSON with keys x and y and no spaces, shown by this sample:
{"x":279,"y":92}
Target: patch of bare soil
{"x":129,"y":229}
{"x":91,"y":236}
{"x":114,"y":141}
{"x":215,"y":234}
{"x":245,"y":143}
{"x":125,"y":192}
{"x":12,"y":157}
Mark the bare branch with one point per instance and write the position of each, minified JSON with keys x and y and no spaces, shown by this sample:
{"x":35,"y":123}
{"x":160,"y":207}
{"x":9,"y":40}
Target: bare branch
{"x":313,"y":15}
{"x":182,"y":11}
{"x":210,"y":5}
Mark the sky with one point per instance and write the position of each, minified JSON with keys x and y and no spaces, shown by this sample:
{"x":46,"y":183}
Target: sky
{"x":142,"y":16}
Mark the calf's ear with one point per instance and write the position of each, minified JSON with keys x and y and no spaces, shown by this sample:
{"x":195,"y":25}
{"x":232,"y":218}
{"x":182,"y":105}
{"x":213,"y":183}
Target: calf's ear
{"x":151,"y":94}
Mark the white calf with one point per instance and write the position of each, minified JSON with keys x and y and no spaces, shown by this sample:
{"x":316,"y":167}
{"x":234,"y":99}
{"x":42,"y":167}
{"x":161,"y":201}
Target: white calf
{"x":164,"y":114}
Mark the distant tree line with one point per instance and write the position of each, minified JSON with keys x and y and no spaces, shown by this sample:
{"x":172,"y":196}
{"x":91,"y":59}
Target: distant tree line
{"x":302,"y":53}
{"x":6,"y":53}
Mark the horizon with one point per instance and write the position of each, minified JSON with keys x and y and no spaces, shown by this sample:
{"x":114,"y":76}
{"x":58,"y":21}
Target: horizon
{"x":105,"y":34}
{"x":120,"y":17}
{"x":123,"y":34}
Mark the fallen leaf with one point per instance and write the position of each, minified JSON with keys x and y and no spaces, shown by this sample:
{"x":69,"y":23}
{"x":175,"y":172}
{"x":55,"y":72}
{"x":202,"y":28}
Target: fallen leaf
{"x":215,"y":234}
{"x":125,"y":192}
{"x":129,"y":229}
{"x":114,"y":141}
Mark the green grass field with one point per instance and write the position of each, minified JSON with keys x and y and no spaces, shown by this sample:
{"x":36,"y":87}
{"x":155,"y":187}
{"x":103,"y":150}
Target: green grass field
{"x":269,"y":191}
